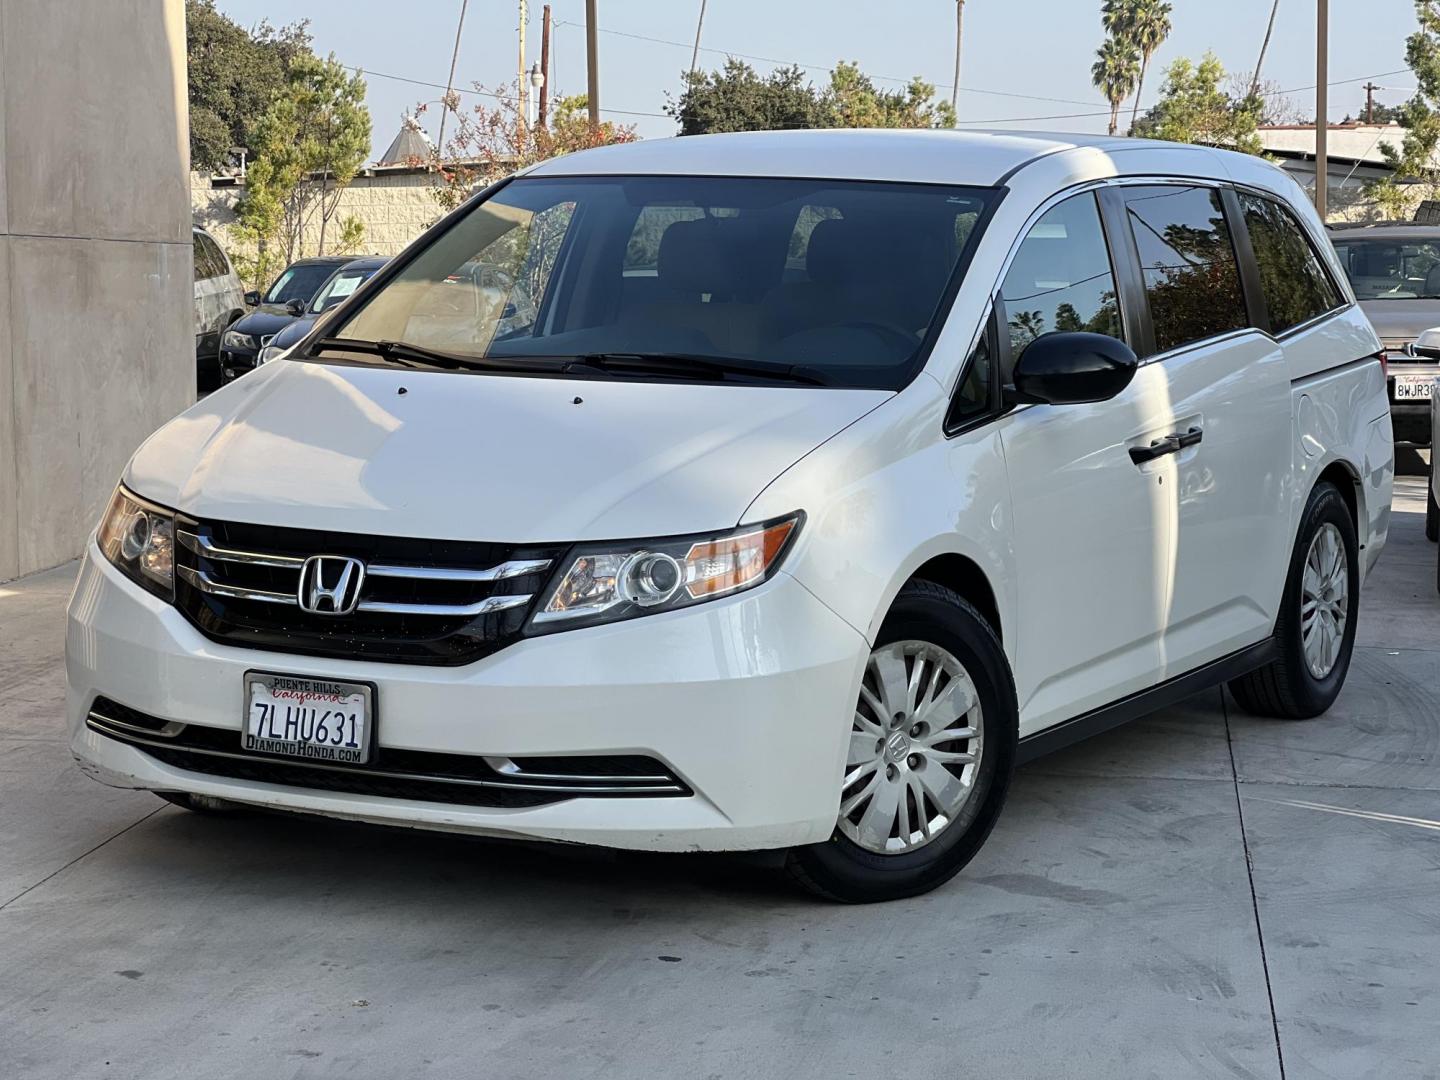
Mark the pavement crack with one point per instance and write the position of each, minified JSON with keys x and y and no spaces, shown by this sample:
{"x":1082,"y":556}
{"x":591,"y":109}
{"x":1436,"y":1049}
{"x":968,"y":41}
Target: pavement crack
{"x":83,"y":855}
{"x":1250,"y":876}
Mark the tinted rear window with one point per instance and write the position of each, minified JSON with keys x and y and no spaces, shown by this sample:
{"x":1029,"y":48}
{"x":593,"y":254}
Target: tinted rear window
{"x":1192,"y":278}
{"x":1295,"y":285}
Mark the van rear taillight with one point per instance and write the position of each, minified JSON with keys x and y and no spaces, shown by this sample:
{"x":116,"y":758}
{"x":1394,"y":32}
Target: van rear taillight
{"x":1384,"y":359}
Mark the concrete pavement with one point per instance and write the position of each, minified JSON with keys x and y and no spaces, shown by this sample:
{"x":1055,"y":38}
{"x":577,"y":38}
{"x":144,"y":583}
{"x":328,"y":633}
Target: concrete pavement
{"x":1200,"y":894}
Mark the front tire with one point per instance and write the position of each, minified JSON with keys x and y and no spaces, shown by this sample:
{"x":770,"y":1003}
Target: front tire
{"x":931,"y":751}
{"x":1315,"y":633}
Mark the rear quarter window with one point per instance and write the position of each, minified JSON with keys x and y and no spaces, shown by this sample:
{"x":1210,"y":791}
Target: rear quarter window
{"x":1292,"y":278}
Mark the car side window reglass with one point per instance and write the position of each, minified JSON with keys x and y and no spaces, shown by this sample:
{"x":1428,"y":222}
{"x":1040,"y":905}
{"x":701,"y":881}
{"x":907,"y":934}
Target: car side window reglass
{"x":1061,"y":279}
{"x":198,"y":249}
{"x":1294,"y":284}
{"x":972,"y":396}
{"x":215,"y":265}
{"x":1192,"y":279}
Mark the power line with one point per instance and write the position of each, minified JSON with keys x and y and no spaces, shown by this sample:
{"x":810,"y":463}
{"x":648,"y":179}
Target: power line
{"x":803,"y":64}
{"x":367,"y":72}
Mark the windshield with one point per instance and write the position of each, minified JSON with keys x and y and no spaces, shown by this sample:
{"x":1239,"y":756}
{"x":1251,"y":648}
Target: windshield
{"x":299,"y":282}
{"x":1393,"y":269}
{"x":338,"y":289}
{"x":843,"y":278}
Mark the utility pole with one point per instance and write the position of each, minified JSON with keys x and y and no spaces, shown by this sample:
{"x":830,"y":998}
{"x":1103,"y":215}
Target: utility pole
{"x":521,"y":72}
{"x":545,"y":66}
{"x":695,"y":52}
{"x":1322,"y":75}
{"x":959,"y":30}
{"x":450,"y":82}
{"x":1370,"y":89}
{"x":592,"y":62}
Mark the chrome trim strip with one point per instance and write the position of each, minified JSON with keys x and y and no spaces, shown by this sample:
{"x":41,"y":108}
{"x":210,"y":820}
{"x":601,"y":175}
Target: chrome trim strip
{"x":206,"y":584}
{"x":510,"y":768}
{"x":482,"y":607}
{"x":443,"y":573}
{"x":202,"y":545}
{"x":669,"y":788}
{"x":170,"y":729}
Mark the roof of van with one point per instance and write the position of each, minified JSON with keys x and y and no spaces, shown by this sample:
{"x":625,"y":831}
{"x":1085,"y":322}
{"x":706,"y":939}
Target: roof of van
{"x":982,"y":158}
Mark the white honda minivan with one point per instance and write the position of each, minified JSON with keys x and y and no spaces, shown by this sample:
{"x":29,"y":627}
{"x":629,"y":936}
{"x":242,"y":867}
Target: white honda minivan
{"x":795,"y":487}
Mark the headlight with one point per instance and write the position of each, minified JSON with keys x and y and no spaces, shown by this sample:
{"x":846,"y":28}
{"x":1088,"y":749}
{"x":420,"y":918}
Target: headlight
{"x":139,"y":538}
{"x":271,"y":352}
{"x":234,"y":339}
{"x":608,"y":582}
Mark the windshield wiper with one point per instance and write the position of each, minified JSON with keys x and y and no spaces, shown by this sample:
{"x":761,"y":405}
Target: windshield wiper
{"x":695,"y":364}
{"x":408,"y":355}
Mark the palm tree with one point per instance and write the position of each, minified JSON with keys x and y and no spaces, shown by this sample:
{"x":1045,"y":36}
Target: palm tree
{"x":959,"y":32}
{"x":1114,"y":73}
{"x":1144,"y":24}
{"x":1148,"y":29}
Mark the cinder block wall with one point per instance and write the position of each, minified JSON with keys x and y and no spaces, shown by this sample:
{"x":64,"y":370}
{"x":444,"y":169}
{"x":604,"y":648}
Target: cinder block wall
{"x":96,"y":312}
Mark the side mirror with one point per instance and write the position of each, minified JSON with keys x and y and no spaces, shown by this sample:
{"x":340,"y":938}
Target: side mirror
{"x":252,"y":299}
{"x":1073,"y":368}
{"x":295,"y":307}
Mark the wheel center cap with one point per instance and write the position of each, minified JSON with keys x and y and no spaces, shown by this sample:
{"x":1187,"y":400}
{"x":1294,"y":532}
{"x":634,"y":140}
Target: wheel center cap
{"x":897,"y":747}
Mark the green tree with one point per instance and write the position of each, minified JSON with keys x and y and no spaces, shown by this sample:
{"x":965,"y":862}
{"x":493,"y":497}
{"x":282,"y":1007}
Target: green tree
{"x":1114,"y":73}
{"x":856,"y":102}
{"x":1145,"y":24}
{"x":234,"y":74}
{"x":1194,"y":107}
{"x":736,"y":98}
{"x":1415,"y":175}
{"x":308,"y":146}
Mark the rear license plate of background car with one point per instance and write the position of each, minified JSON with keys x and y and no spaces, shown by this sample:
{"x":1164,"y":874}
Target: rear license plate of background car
{"x":1414,"y":387}
{"x":320,"y":720}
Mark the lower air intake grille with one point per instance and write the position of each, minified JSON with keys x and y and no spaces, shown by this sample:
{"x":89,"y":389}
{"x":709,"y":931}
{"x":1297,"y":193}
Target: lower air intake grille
{"x":422,"y":775}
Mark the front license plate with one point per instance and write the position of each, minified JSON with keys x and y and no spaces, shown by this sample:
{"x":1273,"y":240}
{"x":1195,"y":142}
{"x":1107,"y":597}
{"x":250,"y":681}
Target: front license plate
{"x":1414,"y":387}
{"x":316,"y":719}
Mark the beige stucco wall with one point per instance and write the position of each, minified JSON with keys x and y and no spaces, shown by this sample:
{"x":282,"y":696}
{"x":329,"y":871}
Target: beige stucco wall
{"x":96,"y":334}
{"x":395,"y":208}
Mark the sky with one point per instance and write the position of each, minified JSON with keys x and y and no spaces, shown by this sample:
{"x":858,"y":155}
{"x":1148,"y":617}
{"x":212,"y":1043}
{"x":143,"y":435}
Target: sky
{"x":1025,"y":63}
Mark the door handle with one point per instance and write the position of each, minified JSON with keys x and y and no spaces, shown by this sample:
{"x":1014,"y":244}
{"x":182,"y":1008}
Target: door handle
{"x":1170,"y":444}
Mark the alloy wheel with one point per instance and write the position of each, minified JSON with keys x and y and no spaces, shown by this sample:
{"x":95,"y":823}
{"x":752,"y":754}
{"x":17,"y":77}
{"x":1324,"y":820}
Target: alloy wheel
{"x":915,"y":747}
{"x":1324,"y":600}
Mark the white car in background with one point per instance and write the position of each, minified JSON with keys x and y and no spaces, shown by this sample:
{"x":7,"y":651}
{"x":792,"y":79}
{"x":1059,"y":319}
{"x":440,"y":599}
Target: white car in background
{"x":918,"y":454}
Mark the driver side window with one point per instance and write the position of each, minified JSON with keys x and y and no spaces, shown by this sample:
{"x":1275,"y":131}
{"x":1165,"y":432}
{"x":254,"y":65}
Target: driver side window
{"x":1061,"y":278}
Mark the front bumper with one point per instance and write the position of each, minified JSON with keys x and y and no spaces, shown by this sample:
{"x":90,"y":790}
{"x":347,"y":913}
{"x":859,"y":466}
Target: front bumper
{"x":748,"y":700}
{"x":235,"y":363}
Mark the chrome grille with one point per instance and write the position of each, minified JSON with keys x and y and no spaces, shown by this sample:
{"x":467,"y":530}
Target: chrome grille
{"x":420,"y":601}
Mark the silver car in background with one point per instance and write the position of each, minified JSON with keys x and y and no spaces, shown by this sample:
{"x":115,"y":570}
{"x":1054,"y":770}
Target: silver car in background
{"x":1394,"y":269}
{"x":219,"y":301}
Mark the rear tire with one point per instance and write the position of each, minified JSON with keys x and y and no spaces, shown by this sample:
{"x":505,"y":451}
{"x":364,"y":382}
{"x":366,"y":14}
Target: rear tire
{"x":1315,"y":632}
{"x":938,"y":639}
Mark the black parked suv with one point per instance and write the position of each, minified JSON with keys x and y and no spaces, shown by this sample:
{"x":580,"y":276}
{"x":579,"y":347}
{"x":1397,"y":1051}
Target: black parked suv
{"x":286,"y":299}
{"x":337,"y":288}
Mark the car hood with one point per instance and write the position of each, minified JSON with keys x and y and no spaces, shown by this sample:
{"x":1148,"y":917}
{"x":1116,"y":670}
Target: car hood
{"x":449,"y":455}
{"x":267,"y":319}
{"x":1400,"y":321}
{"x":294,"y":331}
